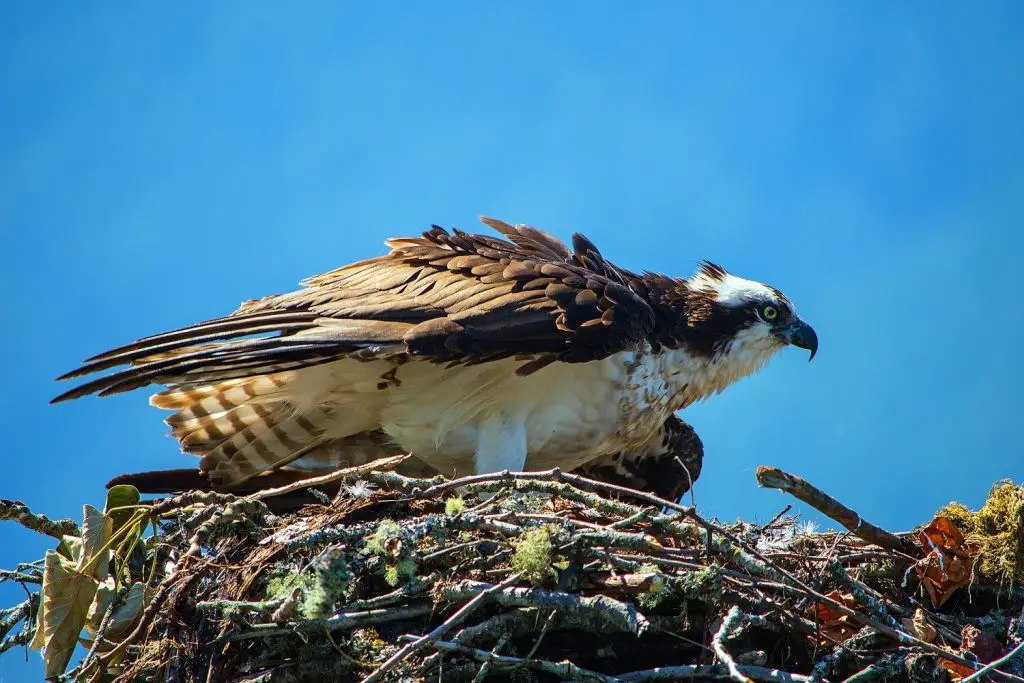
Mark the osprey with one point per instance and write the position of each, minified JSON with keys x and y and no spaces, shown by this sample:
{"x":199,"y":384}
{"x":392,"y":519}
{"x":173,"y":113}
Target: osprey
{"x":473,"y":353}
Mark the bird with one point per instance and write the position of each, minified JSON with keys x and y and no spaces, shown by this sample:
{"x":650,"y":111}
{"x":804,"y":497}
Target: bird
{"x":471,"y":352}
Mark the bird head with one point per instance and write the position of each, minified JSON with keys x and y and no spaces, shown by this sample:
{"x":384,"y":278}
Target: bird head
{"x":742,"y":321}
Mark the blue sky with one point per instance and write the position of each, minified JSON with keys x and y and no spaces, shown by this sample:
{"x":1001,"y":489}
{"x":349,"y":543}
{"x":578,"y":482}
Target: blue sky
{"x":161,"y":163}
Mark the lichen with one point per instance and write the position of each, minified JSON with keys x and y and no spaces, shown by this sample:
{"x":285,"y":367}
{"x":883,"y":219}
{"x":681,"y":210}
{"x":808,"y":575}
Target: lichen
{"x":390,"y":543}
{"x":387,"y":530}
{"x":997,"y":530}
{"x":454,"y":506}
{"x":658,"y":590}
{"x":704,"y":584}
{"x":534,"y":555}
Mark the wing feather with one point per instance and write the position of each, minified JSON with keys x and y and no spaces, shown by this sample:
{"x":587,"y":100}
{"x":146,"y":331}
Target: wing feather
{"x":450,"y":297}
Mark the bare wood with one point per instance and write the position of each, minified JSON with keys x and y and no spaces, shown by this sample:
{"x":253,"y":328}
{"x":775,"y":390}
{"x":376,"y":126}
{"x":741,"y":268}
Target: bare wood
{"x":17,"y":511}
{"x":732,"y":619}
{"x":463,"y":612}
{"x":565,"y":670}
{"x":347,"y":473}
{"x":774,"y":478}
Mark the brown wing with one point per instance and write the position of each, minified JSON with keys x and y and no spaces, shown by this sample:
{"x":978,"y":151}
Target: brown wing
{"x":448,"y":297}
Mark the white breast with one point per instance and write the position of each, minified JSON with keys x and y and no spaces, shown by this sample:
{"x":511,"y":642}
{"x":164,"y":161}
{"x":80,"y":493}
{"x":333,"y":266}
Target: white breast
{"x":567,"y":413}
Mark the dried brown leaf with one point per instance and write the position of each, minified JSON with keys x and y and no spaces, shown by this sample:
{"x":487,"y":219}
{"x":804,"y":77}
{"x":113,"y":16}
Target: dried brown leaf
{"x":835,"y":625}
{"x":947,"y":566}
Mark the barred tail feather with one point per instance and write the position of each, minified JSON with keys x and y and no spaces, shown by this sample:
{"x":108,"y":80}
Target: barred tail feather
{"x":200,"y":401}
{"x":202,"y":435}
{"x":275,"y":440}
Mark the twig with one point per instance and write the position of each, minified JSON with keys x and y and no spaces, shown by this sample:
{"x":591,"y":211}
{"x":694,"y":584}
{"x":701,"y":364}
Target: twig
{"x":20,"y":577}
{"x":623,"y":616}
{"x":340,"y":622}
{"x":732,"y":619}
{"x":416,"y":586}
{"x":10,"y":617}
{"x":566,"y":670}
{"x":991,"y":667}
{"x":101,"y":630}
{"x":774,"y":478}
{"x":864,"y":595}
{"x":347,"y":473}
{"x":17,"y":511}
{"x":463,"y":612}
{"x":485,"y":669}
{"x":710,"y":671}
{"x":233,"y":605}
{"x":22,"y":637}
{"x":776,"y":518}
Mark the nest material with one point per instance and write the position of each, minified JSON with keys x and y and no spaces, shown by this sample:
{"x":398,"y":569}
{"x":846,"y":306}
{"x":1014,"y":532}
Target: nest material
{"x":540,"y":576}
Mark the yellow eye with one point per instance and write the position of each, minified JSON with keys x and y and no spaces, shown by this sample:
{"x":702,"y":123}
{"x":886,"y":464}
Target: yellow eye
{"x":770,"y":313}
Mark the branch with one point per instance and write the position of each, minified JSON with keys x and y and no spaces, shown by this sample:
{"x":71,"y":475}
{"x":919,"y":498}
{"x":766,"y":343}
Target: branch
{"x":622,"y":616}
{"x":347,"y":473}
{"x":706,"y":671}
{"x":19,"y":512}
{"x":565,"y":670}
{"x":732,"y":619}
{"x":339,"y":622}
{"x":774,"y":478}
{"x":408,"y":650}
{"x":990,"y":668}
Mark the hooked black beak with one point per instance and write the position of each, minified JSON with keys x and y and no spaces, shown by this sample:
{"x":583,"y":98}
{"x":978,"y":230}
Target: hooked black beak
{"x":800,"y":334}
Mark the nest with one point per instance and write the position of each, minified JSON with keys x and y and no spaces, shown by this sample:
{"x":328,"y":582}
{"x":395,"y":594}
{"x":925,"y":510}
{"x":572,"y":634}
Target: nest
{"x":514,"y":576}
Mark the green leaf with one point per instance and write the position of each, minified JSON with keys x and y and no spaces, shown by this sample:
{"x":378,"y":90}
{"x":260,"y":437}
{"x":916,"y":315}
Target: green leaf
{"x":70,"y":547}
{"x":67,"y":595}
{"x":124,"y":616}
{"x":121,"y":496}
{"x":70,"y":583}
{"x":96,"y":530}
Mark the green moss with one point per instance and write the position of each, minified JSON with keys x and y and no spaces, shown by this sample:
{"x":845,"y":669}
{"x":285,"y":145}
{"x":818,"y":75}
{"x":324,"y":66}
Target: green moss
{"x":658,"y":591}
{"x":454,"y":506}
{"x":377,"y":542}
{"x":705,"y":584}
{"x":997,"y":529}
{"x":282,"y":583}
{"x":390,"y":543}
{"x":534,"y":555}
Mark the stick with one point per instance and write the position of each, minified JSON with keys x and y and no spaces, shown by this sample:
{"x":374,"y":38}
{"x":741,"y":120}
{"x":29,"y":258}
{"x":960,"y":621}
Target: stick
{"x":774,"y":478}
{"x":17,"y":511}
{"x":622,"y":616}
{"x":565,"y":670}
{"x":347,"y":473}
{"x":339,"y":622}
{"x":705,"y":671}
{"x":732,"y":619}
{"x":989,"y":668}
{"x":463,"y":612}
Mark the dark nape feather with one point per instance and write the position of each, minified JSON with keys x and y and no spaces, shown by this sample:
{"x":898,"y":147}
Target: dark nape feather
{"x":712,"y":271}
